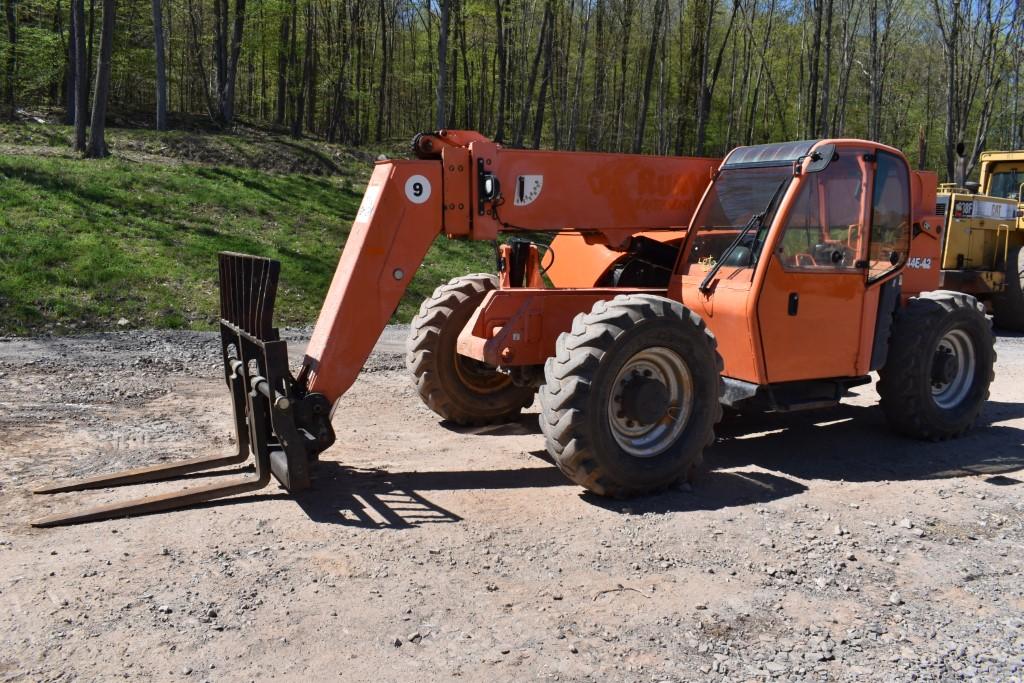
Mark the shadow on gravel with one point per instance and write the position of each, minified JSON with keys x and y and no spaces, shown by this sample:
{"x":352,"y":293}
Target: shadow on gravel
{"x":378,"y":499}
{"x":853,"y":443}
{"x":527,"y":424}
{"x":847,"y":442}
{"x":850,"y":443}
{"x":712,"y":491}
{"x":1008,"y":334}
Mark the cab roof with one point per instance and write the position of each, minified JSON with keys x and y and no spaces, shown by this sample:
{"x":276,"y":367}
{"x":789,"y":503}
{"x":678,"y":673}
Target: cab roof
{"x":994,"y":155}
{"x":774,"y":154}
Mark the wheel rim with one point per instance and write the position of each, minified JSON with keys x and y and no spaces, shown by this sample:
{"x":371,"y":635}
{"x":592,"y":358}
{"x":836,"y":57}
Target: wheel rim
{"x":649,"y":435}
{"x":953,"y":366}
{"x":479,"y":376}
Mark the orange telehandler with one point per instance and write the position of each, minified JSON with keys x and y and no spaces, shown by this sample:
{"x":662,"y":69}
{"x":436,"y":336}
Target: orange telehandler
{"x":775,"y":279}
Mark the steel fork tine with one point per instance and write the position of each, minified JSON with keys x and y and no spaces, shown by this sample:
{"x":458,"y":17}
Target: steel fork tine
{"x":168,"y":501}
{"x":141,"y":475}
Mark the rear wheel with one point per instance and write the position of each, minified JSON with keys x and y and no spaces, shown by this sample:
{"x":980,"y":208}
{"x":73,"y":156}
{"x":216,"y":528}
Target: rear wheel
{"x":460,"y":389}
{"x":936,"y":379}
{"x":631,"y":397}
{"x":1008,"y":305}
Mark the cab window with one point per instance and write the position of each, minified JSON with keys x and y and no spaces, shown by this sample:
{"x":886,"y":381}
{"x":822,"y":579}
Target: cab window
{"x":824,"y":228}
{"x":736,"y":196}
{"x":890,"y":216}
{"x":1006,"y":184}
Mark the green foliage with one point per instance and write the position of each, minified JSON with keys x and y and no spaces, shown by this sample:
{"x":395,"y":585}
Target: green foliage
{"x":86,"y":243}
{"x":374,"y":69}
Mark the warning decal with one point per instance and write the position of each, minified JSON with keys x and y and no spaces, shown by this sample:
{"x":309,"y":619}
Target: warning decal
{"x":528,"y":188}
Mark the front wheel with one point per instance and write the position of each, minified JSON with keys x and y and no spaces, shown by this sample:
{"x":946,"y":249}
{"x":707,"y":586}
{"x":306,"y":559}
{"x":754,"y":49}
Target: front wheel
{"x":631,"y":397}
{"x":936,"y":378}
{"x":1008,"y":305}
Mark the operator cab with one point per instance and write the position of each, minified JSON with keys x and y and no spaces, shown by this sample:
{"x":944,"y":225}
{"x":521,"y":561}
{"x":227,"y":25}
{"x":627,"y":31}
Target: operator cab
{"x":789,"y":251}
{"x":1006,"y":179}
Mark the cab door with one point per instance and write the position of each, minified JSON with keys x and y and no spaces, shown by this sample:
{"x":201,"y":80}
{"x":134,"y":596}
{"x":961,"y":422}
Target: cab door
{"x":840,"y":236}
{"x":809,"y":309}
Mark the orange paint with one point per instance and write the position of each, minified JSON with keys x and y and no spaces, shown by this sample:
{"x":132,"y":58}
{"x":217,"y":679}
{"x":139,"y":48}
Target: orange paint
{"x":389,"y":238}
{"x":803,"y":306}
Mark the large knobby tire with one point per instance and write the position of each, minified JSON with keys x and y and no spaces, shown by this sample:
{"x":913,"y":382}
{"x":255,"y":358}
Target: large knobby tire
{"x":632,"y":396}
{"x":936,"y":378}
{"x":1008,"y":305}
{"x":459,"y":389}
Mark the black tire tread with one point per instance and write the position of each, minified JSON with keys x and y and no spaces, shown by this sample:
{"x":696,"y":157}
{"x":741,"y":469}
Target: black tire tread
{"x":898,"y":384}
{"x":421,"y":348}
{"x":568,"y":376}
{"x":1008,"y":306}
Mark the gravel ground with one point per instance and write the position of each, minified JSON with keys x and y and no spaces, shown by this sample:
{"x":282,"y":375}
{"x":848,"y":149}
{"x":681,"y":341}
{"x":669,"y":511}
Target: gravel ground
{"x":813,"y":546}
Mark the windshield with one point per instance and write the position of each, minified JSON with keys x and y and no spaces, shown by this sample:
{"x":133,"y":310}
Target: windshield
{"x":1006,"y":184}
{"x":734,"y":198}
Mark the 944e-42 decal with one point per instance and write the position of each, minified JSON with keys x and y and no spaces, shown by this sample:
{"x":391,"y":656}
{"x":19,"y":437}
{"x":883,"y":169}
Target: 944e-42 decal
{"x":919,"y":263}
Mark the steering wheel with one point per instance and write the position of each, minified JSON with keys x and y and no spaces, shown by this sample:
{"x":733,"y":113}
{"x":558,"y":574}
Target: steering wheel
{"x":834,"y":254}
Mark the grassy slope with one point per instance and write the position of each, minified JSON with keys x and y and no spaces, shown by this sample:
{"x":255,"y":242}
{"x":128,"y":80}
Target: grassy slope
{"x":86,"y":243}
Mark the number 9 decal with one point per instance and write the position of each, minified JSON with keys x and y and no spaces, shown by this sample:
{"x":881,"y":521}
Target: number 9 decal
{"x":417,"y":189}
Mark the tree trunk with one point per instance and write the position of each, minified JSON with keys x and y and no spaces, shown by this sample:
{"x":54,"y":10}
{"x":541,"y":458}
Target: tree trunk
{"x":628,"y":8}
{"x":282,"y":72}
{"x":709,"y":81}
{"x":226,"y":57}
{"x":874,"y":84}
{"x":466,"y":82}
{"x":12,"y":54}
{"x":220,"y":50}
{"x":195,"y":32}
{"x":97,"y":146}
{"x":502,"y":57}
{"x":826,"y":82}
{"x":442,"y":66}
{"x":161,"y":69}
{"x":850,"y":25}
{"x":538,"y":123}
{"x":294,"y":79}
{"x":81,"y":83}
{"x":574,"y":116}
{"x":812,"y":76}
{"x":517,"y":141}
{"x":382,"y":86}
{"x":69,"y":82}
{"x":645,"y":94}
{"x":310,"y":68}
{"x":595,"y":127}
{"x":90,"y":37}
{"x":228,"y":95}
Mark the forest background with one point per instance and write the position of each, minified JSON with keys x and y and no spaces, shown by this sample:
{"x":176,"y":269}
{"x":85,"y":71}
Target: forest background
{"x":251,"y":125}
{"x":692,"y":77}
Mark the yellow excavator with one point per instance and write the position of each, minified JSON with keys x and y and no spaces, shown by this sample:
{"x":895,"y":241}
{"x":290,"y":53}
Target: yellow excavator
{"x":983,"y":237}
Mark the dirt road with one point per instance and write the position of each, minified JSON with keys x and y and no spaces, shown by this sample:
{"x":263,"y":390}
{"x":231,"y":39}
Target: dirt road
{"x":813,"y":546}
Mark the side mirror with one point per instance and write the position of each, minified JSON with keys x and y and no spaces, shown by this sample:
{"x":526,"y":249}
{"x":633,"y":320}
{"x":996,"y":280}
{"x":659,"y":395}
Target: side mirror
{"x":821,"y":158}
